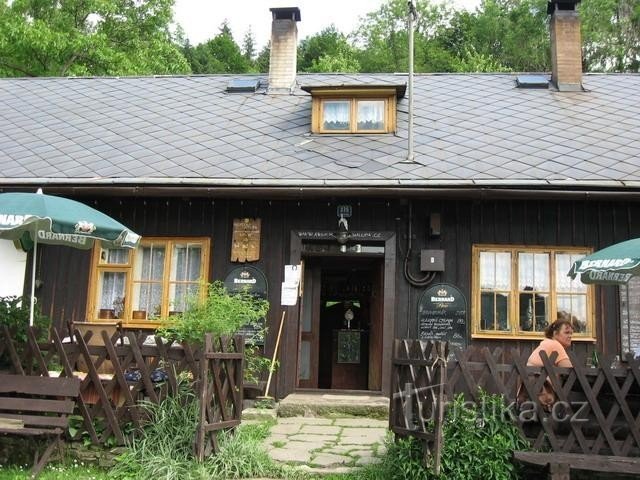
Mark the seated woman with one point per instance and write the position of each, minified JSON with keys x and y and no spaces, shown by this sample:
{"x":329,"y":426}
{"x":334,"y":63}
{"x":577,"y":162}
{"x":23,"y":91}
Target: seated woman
{"x":558,"y":339}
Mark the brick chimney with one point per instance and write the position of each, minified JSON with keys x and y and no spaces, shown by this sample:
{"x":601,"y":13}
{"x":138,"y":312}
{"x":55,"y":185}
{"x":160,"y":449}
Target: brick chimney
{"x":566,"y":46}
{"x":284,"y":45}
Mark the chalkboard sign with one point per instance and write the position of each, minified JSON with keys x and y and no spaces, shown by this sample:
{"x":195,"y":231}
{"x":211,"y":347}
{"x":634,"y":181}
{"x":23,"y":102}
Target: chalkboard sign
{"x":442,"y":315}
{"x":253,"y":281}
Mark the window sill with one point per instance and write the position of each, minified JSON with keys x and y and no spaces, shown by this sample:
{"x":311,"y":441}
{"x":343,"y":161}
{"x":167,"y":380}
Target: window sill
{"x":510,"y":336}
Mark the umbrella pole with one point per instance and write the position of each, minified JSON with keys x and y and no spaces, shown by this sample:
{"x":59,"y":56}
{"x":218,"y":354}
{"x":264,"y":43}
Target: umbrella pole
{"x":33,"y":279}
{"x":628,"y":319}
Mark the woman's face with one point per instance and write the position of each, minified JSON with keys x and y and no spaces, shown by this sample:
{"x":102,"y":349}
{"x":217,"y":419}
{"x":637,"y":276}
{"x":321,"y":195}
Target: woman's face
{"x":564,"y":335}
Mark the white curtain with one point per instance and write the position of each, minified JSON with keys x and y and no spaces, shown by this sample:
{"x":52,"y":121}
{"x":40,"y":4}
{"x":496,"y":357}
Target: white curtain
{"x":335,"y":114}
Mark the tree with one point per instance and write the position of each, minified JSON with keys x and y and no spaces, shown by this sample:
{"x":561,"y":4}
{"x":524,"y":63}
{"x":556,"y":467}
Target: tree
{"x":384,"y":37}
{"x":221,"y":54}
{"x":87,"y":37}
{"x":261,"y":63}
{"x":611,"y":35}
{"x":249,"y":46}
{"x":327,"y":51}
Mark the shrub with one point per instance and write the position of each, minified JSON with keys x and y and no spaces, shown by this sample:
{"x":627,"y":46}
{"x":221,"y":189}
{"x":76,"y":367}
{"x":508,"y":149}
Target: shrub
{"x":222,"y":313}
{"x":164,"y":449}
{"x":478,"y":441}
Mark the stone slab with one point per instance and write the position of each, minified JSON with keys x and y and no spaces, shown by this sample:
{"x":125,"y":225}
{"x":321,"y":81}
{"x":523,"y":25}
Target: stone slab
{"x":330,"y":459}
{"x":320,"y":429}
{"x":290,"y":454}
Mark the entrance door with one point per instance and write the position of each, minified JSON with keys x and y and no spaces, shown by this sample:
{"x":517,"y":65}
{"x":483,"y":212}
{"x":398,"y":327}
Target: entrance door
{"x":340,"y":332}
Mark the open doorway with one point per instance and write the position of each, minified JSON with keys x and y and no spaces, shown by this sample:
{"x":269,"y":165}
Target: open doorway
{"x":340,"y":330}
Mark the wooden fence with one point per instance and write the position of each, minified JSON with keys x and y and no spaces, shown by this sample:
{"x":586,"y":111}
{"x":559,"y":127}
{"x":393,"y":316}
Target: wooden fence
{"x":417,"y":393}
{"x":596,"y":412}
{"x":121,"y":369}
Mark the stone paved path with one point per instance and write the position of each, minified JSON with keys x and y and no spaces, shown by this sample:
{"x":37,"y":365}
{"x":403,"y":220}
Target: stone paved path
{"x":327,"y":445}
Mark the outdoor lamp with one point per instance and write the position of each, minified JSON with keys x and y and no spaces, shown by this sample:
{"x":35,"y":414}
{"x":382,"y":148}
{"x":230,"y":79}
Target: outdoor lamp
{"x":342,"y":235}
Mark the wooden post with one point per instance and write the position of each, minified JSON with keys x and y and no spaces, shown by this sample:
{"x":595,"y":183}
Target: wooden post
{"x":440,"y":364}
{"x":200,"y":434}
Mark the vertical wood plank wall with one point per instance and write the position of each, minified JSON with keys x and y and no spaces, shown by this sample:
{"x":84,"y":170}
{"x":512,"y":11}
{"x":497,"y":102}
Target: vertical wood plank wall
{"x":594,"y":224}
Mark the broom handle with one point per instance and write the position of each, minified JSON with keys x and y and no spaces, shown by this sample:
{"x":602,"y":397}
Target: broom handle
{"x":275,"y":353}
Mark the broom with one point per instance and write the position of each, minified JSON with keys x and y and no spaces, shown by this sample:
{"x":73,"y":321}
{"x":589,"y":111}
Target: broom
{"x":266,"y":400}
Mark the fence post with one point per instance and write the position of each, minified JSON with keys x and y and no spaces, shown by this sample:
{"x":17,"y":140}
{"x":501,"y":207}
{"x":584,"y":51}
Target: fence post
{"x":440,"y":366}
{"x":204,"y":367}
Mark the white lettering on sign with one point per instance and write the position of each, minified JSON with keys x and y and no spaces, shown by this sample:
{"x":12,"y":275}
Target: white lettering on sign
{"x":12,"y":220}
{"x":244,"y":280}
{"x":443,"y":299}
{"x":605,"y":263}
{"x":610,"y":276}
{"x":62,"y":237}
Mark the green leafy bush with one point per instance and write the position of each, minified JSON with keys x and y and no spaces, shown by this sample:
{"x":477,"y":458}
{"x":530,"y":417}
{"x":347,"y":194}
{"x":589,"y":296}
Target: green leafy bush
{"x":478,"y":441}
{"x":14,"y":313}
{"x":221,"y":313}
{"x":164,"y":449}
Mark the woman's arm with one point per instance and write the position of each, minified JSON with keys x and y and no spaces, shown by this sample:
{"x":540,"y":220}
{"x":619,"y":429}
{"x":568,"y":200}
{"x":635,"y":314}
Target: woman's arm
{"x":565,"y":362}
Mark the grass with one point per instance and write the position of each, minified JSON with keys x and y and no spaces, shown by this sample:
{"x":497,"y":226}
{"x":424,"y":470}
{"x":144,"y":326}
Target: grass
{"x":61,"y":471}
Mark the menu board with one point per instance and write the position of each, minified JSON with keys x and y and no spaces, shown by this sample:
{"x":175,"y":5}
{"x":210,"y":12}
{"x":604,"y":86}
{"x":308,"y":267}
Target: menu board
{"x":254,"y":282}
{"x":442,"y":315}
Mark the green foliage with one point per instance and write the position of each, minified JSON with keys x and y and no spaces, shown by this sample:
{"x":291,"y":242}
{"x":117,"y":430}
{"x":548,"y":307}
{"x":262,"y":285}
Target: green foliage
{"x":328,"y":51}
{"x":14,"y":313}
{"x":89,"y":37}
{"x":611,"y":35}
{"x":221,"y":313}
{"x":243,"y":455}
{"x":478,"y":441}
{"x":56,"y":471}
{"x":164,"y":449}
{"x":221,"y":54}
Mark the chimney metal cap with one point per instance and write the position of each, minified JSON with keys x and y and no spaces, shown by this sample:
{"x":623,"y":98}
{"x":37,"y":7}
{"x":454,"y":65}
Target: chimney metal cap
{"x":554,"y":5}
{"x":285,"y":13}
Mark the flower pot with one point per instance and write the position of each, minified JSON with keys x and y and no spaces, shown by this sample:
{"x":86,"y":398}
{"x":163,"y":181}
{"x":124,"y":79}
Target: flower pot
{"x":107,"y":313}
{"x":139,"y":314}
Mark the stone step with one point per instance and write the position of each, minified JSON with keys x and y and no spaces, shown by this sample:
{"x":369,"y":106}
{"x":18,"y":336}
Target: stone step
{"x":334,"y":405}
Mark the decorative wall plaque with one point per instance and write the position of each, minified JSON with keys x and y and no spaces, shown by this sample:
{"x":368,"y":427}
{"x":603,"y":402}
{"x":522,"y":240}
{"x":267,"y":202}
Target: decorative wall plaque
{"x":442,"y":315}
{"x":245,"y":243}
{"x":348,"y":346}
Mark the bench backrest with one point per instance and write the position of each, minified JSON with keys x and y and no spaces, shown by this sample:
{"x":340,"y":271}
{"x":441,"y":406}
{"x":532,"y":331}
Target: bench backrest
{"x":40,"y":402}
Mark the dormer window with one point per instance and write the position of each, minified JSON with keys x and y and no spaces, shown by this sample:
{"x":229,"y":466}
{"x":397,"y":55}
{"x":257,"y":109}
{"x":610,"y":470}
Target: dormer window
{"x":348,"y":110}
{"x":354,"y":115}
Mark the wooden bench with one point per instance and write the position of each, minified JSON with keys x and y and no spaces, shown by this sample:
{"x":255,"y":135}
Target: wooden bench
{"x":37,"y":406}
{"x":558,"y":466}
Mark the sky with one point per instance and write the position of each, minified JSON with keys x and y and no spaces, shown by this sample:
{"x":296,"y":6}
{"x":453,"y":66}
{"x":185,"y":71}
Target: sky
{"x":201,"y":19}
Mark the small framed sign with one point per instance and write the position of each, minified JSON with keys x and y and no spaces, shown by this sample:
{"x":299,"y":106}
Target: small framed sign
{"x":245,"y":243}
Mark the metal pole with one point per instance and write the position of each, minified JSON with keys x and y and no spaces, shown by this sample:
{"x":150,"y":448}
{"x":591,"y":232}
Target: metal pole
{"x":412,"y":14}
{"x":33,"y":278}
{"x":628,"y":320}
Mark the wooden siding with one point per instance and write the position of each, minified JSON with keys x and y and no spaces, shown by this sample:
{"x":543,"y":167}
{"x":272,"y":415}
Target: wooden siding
{"x":594,"y":224}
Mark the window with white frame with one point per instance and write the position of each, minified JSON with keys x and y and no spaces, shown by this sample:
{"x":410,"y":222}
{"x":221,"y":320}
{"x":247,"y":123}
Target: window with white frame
{"x":154,"y":281}
{"x":518,"y":291}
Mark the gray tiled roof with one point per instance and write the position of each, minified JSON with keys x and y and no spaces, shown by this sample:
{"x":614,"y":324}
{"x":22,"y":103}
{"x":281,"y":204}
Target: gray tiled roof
{"x":469,"y":130}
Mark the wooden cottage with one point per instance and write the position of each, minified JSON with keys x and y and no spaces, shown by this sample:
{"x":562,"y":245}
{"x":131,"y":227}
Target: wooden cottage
{"x":464,"y":229}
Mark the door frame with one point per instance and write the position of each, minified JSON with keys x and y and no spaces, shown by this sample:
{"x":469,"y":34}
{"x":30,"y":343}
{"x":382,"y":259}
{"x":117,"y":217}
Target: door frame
{"x":289,"y":368}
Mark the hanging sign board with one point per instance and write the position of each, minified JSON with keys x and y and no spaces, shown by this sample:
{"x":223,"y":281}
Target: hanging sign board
{"x":245,"y":244}
{"x":442,"y":315}
{"x":254,"y":282}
